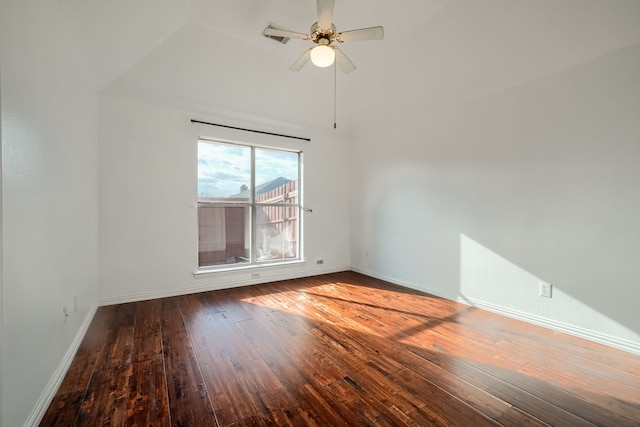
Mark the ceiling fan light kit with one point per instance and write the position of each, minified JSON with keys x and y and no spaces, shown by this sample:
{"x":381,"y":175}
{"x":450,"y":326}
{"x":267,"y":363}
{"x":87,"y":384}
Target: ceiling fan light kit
{"x":322,"y":56}
{"x":323,"y":33}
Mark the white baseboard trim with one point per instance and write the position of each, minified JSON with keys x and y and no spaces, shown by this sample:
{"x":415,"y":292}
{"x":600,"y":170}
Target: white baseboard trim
{"x":232,"y":282}
{"x":614,"y":342}
{"x":576,"y":331}
{"x":50,"y":390}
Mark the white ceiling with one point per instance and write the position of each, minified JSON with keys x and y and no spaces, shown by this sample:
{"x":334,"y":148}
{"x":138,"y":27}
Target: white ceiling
{"x":210,"y":55}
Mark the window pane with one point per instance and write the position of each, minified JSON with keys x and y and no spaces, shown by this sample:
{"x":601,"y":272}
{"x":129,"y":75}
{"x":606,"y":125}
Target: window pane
{"x":276,"y":176}
{"x":276,"y":233}
{"x":237,"y":225}
{"x":223,"y":235}
{"x":224,"y":172}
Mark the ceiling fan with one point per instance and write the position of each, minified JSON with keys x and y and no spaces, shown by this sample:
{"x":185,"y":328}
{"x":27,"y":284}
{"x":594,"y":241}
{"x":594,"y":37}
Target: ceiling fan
{"x":323,"y":34}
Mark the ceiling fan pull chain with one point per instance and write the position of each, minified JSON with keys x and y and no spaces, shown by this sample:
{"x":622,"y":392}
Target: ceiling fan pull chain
{"x":335,"y":92}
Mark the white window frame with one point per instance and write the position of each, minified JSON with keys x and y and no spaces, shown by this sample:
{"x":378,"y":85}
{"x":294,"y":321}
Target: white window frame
{"x":253,"y":207}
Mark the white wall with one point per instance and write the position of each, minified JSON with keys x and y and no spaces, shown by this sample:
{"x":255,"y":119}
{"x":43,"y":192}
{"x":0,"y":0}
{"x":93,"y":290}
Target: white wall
{"x":539,"y":182}
{"x":49,"y":202}
{"x":148,"y":225}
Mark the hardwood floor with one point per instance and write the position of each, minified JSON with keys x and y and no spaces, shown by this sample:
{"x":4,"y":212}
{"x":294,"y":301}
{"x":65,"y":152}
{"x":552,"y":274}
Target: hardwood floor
{"x":340,"y":349}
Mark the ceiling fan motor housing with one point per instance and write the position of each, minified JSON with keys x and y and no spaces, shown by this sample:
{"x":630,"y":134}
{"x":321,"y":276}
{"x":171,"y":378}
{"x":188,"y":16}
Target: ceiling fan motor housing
{"x":322,"y":36}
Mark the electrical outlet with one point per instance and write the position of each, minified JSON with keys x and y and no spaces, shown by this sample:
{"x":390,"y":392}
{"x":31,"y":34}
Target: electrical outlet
{"x":255,"y":275}
{"x":320,"y":262}
{"x":545,"y":290}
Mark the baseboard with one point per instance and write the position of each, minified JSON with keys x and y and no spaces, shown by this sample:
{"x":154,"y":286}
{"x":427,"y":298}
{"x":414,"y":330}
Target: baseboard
{"x":597,"y":337}
{"x":56,"y":379}
{"x":232,"y":282}
{"x":576,"y":331}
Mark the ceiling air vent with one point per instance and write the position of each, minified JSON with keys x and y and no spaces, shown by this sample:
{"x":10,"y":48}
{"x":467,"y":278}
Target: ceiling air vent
{"x":279,"y":39}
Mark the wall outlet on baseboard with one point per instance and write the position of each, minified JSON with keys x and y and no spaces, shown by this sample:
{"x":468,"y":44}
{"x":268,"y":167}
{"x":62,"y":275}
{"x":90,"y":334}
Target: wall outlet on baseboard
{"x":545,"y":289}
{"x":320,"y":261}
{"x":255,"y":275}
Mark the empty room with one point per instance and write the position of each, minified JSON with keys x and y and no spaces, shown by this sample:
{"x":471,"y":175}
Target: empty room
{"x":319,"y":212}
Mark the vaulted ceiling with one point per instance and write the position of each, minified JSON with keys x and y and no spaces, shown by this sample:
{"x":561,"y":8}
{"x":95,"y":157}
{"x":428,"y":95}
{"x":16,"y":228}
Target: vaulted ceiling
{"x":210,"y":55}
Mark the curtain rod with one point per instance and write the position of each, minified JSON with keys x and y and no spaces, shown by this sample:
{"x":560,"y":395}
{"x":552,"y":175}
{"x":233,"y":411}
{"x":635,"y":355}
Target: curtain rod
{"x":250,"y":130}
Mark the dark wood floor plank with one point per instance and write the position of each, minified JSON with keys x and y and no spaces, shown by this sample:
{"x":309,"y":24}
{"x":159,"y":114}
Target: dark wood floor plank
{"x":435,"y":401}
{"x":63,"y":409}
{"x":557,"y":400}
{"x":354,"y":357}
{"x":475,"y":396}
{"x":188,"y":398}
{"x":477,"y":377}
{"x":108,"y":344}
{"x":492,"y":363}
{"x":344,"y":330}
{"x":440,"y":374}
{"x":229,"y":399}
{"x":147,"y":402}
{"x":554,"y":359}
{"x":337,"y":349}
{"x":105,"y":402}
{"x":94,"y":337}
{"x":269,"y":395}
{"x":443,"y":375}
{"x":294,"y":374}
{"x":65,"y":406}
{"x":354,"y":408}
{"x":254,"y":421}
{"x":379,"y":381}
{"x":291,"y":335}
{"x":228,"y":341}
{"x":601,"y":394}
{"x":514,"y":417}
{"x":79,"y":373}
{"x":122,"y":315}
{"x":147,"y":335}
{"x":502,"y":388}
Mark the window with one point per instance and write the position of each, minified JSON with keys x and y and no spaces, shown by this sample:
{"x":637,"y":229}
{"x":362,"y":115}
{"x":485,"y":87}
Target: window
{"x":248,"y":204}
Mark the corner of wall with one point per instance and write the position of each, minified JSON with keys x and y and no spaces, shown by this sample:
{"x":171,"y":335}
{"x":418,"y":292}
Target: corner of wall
{"x":54,"y":383}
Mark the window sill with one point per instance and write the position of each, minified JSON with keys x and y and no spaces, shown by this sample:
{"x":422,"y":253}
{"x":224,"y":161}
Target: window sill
{"x":225,"y":270}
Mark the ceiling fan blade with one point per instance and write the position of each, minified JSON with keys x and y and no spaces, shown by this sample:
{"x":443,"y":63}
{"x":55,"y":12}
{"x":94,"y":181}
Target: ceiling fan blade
{"x":300,"y":62}
{"x":363,"y":34}
{"x":343,"y":62}
{"x":325,"y":13}
{"x":284,"y":33}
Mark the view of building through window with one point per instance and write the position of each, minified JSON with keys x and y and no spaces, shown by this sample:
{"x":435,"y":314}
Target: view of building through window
{"x":248,"y":204}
